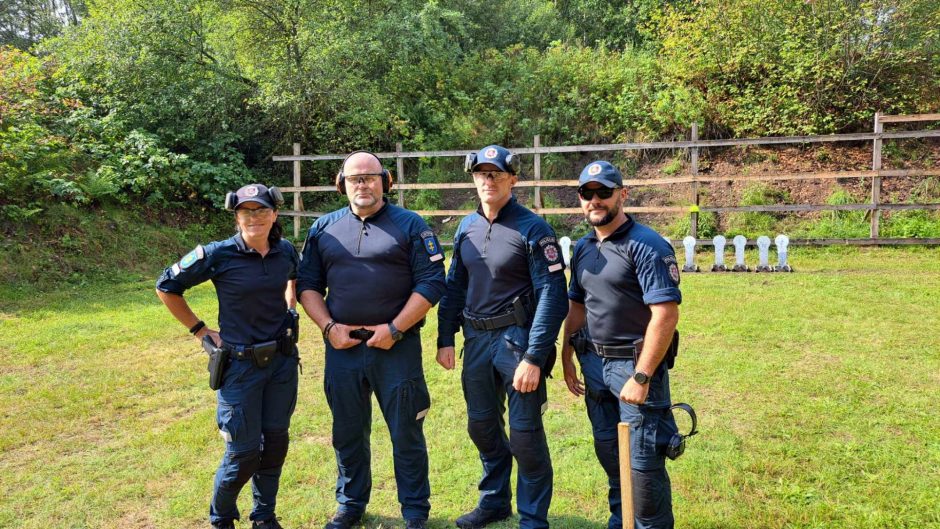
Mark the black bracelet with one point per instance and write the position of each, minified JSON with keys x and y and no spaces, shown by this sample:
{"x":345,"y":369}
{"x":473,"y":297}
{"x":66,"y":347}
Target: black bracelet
{"x":326,"y":330}
{"x":198,"y":327}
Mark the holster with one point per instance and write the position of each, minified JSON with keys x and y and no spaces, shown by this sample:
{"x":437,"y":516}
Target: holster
{"x":293,"y":325}
{"x":218,"y":362}
{"x":673,"y":350}
{"x":579,"y":341}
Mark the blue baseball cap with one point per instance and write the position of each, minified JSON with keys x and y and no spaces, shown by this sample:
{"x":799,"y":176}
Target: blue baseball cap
{"x":253,"y":193}
{"x":601,"y":172}
{"x":495,"y":155}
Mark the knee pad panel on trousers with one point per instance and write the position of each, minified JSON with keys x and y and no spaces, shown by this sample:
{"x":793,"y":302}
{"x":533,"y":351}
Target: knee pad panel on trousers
{"x":607,"y":452}
{"x":247,"y":464}
{"x":530,"y":450}
{"x":652,"y":496}
{"x":273,"y":449}
{"x":486,"y":436}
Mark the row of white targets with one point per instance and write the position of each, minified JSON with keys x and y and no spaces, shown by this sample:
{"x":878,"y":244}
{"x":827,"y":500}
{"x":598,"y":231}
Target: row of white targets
{"x":740,"y":242}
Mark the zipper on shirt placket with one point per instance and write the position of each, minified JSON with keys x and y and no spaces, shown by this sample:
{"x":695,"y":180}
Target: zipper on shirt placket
{"x":362,"y":230}
{"x":486,"y":239}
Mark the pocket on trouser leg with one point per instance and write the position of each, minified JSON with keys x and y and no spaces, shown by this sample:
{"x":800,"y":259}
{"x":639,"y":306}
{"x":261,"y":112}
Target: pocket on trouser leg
{"x":414,"y":401}
{"x":231,"y":422}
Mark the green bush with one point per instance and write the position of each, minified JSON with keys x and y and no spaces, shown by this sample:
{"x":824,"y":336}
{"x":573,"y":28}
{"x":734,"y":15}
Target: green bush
{"x":753,"y":224}
{"x":682,"y":227}
{"x":837,"y":224}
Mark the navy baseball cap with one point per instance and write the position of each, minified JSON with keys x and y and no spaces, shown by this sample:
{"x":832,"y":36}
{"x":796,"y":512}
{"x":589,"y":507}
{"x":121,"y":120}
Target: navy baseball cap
{"x":495,"y":155}
{"x":601,"y":172}
{"x":254,"y":193}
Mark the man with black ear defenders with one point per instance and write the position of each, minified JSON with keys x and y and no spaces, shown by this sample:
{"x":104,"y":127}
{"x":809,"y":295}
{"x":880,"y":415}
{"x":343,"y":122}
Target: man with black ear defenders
{"x":625,"y":288}
{"x":506,"y":289}
{"x":369,"y":273}
{"x":254,"y":347}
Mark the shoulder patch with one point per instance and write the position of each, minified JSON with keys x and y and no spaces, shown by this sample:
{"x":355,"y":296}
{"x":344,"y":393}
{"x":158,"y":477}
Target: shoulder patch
{"x":191,"y":258}
{"x":674,"y":272}
{"x":431,"y":245}
{"x":552,"y":253}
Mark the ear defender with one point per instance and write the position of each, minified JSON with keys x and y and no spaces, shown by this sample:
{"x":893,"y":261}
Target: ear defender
{"x":276,"y":196}
{"x":469,"y":162}
{"x":676,"y":446}
{"x":230,"y":200}
{"x":513,"y":163}
{"x":341,"y":177}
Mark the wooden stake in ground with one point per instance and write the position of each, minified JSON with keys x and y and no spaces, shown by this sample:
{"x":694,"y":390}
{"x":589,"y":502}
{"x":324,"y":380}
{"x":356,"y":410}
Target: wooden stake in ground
{"x":626,"y":475}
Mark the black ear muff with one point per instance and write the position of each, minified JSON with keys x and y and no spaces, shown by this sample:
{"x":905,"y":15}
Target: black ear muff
{"x":513,"y":163}
{"x":230,"y":200}
{"x":276,"y":196}
{"x":341,"y":183}
{"x":341,"y":177}
{"x":469,"y":162}
{"x":676,"y":446}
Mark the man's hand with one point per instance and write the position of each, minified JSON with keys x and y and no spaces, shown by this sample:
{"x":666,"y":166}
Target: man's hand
{"x":575,"y":386}
{"x":446,"y":356}
{"x":382,"y":339}
{"x":634,"y":393}
{"x":339,"y":337}
{"x":526,"y":378}
{"x":216,"y":339}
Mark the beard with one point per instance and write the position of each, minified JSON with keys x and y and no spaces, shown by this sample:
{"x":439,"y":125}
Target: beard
{"x":606,"y":219}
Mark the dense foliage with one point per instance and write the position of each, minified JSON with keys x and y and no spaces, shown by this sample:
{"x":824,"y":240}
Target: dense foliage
{"x":173,"y":100}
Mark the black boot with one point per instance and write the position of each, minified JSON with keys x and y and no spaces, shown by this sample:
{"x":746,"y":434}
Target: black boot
{"x":480,"y":517}
{"x":342,"y":520}
{"x":266,"y":524}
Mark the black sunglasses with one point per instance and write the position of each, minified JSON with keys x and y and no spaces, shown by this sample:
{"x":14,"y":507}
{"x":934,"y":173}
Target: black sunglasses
{"x":602,"y":192}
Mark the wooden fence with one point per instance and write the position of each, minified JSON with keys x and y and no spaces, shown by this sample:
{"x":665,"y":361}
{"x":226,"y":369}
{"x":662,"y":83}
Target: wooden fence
{"x":876,"y":174}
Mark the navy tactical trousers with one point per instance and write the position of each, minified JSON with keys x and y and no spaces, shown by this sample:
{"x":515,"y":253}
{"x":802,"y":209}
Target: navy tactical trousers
{"x":397,"y":378}
{"x":489,"y":363}
{"x":652,"y":425}
{"x":254,"y":410}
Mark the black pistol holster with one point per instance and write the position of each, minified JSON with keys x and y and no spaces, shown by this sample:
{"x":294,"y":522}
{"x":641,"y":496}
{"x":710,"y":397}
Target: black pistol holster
{"x":218,"y":361}
{"x":673,"y":350}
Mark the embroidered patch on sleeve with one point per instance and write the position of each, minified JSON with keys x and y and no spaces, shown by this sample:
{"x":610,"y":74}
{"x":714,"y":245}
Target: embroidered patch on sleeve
{"x":191,"y":258}
{"x":431,"y":245}
{"x":673,"y":266}
{"x":552,"y":253}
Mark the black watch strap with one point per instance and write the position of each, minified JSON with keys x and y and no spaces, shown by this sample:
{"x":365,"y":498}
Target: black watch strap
{"x":198,"y":327}
{"x":396,"y":334}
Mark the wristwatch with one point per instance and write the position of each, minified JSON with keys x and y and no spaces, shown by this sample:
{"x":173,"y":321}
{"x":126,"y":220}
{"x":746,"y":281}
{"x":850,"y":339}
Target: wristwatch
{"x":396,"y":334}
{"x":641,"y":378}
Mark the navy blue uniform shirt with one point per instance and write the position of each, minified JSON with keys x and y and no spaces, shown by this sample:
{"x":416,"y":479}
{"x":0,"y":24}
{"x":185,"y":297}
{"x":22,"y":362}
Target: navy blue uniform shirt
{"x":250,"y":288}
{"x":370,"y":267}
{"x":516,"y":255}
{"x":617,"y":279}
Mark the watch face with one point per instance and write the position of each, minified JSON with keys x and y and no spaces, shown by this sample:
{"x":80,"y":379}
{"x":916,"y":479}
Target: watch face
{"x":641,"y":377}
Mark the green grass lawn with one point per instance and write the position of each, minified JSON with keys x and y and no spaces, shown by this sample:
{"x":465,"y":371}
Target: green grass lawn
{"x":816,"y":393}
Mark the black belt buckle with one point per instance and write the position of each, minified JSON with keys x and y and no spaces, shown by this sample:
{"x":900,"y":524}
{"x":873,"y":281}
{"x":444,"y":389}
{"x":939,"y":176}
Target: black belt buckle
{"x":361,"y":334}
{"x":263,"y":353}
{"x":625,"y":352}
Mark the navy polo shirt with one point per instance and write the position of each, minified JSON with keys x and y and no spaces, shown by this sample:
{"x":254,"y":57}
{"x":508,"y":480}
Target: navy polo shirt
{"x":618,"y":278}
{"x":493,"y":263}
{"x":368,"y":268}
{"x":250,"y":288}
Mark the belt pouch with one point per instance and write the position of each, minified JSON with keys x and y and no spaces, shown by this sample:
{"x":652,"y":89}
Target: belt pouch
{"x":263,"y":353}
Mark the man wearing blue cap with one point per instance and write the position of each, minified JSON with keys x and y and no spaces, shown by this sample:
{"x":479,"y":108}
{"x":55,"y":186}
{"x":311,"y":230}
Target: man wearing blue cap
{"x":625,"y":288}
{"x":506,"y":287}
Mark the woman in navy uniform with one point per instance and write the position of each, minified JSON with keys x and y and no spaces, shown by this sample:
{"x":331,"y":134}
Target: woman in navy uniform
{"x":253,"y":273}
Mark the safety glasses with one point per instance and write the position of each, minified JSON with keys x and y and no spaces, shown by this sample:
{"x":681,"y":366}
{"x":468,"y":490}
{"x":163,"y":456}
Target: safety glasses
{"x":602,"y":192}
{"x":496,"y":176}
{"x":360,"y":179}
{"x":245,"y":213}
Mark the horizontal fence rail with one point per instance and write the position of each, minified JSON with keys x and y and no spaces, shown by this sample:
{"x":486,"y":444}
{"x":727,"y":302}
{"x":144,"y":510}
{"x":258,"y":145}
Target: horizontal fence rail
{"x":876,"y":174}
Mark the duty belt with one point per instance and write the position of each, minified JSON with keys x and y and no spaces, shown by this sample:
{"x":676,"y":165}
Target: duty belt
{"x":262,"y":353}
{"x":630,"y":352}
{"x":517,"y":315}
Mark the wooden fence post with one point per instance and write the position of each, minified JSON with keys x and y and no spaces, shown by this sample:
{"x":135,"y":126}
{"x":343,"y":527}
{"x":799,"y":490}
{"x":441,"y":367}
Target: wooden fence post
{"x":298,"y":204}
{"x":876,"y":181}
{"x":537,"y":169}
{"x":400,"y":169}
{"x":693,"y":218}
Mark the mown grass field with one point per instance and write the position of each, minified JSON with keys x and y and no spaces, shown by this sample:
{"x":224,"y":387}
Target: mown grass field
{"x":816,"y":391}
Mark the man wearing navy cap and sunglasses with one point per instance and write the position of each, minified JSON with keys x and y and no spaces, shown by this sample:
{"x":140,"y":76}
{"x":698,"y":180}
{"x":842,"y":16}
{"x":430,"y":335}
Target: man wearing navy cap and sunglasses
{"x":506,"y":288}
{"x":624,"y":288}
